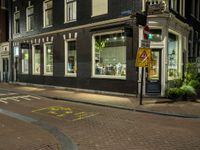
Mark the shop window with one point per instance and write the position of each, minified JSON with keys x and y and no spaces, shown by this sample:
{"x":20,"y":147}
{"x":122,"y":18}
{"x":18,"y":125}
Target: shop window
{"x":36,"y":59}
{"x":48,"y":13}
{"x":70,"y":58}
{"x":29,"y":18}
{"x":173,"y":55}
{"x":109,"y":55}
{"x":25,"y":61}
{"x":70,"y":10}
{"x":48,"y":59}
{"x":99,"y":7}
{"x":155,"y":35}
{"x":17,"y":22}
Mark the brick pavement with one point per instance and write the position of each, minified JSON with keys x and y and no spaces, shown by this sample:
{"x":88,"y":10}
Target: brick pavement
{"x":18,"y":135}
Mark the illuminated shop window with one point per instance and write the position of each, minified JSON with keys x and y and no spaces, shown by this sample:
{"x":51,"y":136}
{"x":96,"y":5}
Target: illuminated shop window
{"x":25,"y":61}
{"x":36,"y":59}
{"x":109,"y":55}
{"x":173,"y":56}
{"x":70,"y":58}
{"x":48,"y":59}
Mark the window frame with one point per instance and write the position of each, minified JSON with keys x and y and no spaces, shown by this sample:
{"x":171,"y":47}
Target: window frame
{"x":93,"y":75}
{"x":33,"y":59}
{"x":66,"y":58}
{"x":44,"y":14}
{"x":46,"y":73}
{"x":66,"y":10}
{"x":27,"y":18}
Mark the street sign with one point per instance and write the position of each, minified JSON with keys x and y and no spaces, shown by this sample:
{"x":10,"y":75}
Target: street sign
{"x":145,"y":43}
{"x":143,"y":57}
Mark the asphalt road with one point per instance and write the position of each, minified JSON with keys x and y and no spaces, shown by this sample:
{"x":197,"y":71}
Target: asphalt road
{"x":42,"y":123}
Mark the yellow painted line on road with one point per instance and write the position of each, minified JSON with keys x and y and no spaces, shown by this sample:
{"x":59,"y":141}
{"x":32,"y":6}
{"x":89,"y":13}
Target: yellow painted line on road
{"x":84,"y":115}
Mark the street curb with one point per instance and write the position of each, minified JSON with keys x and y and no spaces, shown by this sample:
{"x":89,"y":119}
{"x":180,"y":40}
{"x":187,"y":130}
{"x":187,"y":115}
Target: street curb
{"x":126,"y":108}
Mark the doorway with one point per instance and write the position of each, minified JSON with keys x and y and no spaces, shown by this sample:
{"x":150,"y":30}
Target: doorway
{"x":5,"y":69}
{"x":153,"y":78}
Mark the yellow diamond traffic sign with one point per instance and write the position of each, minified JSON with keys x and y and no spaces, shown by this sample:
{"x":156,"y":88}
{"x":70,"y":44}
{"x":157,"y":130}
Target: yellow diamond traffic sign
{"x":143,"y":57}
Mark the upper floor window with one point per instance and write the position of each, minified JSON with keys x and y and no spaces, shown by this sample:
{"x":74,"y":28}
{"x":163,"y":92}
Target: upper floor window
{"x":70,"y":10}
{"x":2,"y":3}
{"x":29,"y":18}
{"x":17,"y":22}
{"x":173,"y":5}
{"x":48,"y":13}
{"x":99,"y":7}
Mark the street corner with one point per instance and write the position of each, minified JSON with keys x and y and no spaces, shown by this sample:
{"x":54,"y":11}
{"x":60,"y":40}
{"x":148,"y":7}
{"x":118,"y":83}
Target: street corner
{"x":65,"y":112}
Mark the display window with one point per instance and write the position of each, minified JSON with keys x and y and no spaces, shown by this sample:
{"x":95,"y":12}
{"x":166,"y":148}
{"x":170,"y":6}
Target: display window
{"x":25,"y":61}
{"x":109,"y":55}
{"x":36,"y":59}
{"x":173,"y":56}
{"x":48,"y":59}
{"x":70,"y":58}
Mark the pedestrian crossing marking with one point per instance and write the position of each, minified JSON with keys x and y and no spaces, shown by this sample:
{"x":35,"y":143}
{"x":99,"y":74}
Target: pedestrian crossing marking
{"x":17,"y":98}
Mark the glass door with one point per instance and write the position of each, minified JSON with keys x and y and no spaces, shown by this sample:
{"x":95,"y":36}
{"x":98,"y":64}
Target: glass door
{"x":153,"y":78}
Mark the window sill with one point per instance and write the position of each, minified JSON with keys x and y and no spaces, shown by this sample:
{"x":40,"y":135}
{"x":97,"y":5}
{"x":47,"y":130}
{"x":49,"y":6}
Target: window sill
{"x":36,"y":74}
{"x":29,"y":30}
{"x":70,"y":21}
{"x":44,"y":27}
{"x":71,"y":75}
{"x":109,"y":77}
{"x":98,"y":15}
{"x":48,"y":74}
{"x":24,"y":73}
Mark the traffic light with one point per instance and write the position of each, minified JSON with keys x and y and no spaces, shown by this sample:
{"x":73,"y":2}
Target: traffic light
{"x":141,"y":19}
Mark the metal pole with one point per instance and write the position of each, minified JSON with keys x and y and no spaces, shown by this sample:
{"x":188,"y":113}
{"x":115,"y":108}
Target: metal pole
{"x":141,"y":87}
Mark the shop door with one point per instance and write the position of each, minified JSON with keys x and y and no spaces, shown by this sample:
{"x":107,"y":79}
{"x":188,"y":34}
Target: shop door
{"x":16,"y":68}
{"x":153,"y":78}
{"x":5,"y":69}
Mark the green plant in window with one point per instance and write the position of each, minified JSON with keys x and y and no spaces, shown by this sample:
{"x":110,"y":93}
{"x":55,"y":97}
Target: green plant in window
{"x":99,"y":45}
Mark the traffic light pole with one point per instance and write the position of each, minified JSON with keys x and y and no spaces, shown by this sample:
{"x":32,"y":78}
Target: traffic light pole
{"x":142,"y":76}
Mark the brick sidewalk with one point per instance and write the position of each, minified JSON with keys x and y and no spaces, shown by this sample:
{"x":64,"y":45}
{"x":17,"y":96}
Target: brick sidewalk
{"x":150,"y":105}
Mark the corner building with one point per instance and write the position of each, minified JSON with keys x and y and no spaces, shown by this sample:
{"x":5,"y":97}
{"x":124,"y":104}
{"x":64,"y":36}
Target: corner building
{"x":92,"y":45}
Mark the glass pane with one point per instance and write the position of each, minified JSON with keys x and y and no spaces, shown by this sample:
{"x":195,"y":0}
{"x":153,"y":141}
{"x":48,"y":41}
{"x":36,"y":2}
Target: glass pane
{"x":25,"y":60}
{"x":48,"y":4}
{"x":154,"y":69}
{"x":37,"y":59}
{"x":110,"y":55}
{"x":48,"y":17}
{"x":30,"y":22}
{"x":172,"y":56}
{"x":71,"y":57}
{"x":49,"y":58}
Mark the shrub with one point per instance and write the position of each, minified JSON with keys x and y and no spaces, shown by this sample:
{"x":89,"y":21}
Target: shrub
{"x":174,"y":93}
{"x":195,"y":84}
{"x":188,"y":90}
